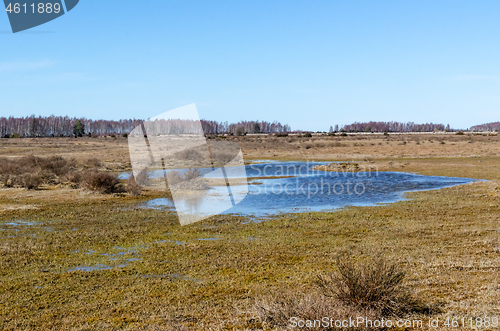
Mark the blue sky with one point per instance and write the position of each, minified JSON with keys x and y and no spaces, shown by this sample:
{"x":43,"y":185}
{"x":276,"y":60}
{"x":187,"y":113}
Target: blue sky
{"x":310,"y":64}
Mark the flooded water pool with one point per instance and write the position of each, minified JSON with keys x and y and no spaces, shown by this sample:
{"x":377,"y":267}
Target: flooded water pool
{"x":288,"y":187}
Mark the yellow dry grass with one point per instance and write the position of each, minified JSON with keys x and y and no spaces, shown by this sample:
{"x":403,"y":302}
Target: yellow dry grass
{"x":448,"y":240}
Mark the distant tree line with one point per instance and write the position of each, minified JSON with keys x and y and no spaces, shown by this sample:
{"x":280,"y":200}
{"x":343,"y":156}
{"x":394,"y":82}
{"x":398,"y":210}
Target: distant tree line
{"x":493,"y":126}
{"x":173,"y":127}
{"x":394,"y":127}
{"x":214,"y":127}
{"x":57,"y":126}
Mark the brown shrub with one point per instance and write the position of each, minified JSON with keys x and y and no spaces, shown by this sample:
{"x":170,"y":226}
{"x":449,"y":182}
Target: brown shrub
{"x":47,"y":177}
{"x":6,"y":180}
{"x":103,"y":182}
{"x":142,"y":177}
{"x":55,"y":165}
{"x":191,"y":174}
{"x":31,"y":172}
{"x":132,"y":187}
{"x":73,"y":177}
{"x":375,"y":284}
{"x":173,"y":177}
{"x":372,"y":289}
{"x":31,"y":181}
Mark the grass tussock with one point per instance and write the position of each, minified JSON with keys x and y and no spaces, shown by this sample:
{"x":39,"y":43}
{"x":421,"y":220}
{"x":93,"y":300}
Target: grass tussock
{"x":278,"y":312}
{"x":375,"y":284}
{"x":373,"y":288}
{"x":448,"y":237}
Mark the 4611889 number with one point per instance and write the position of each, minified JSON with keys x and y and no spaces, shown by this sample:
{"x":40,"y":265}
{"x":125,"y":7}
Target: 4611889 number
{"x":41,"y":8}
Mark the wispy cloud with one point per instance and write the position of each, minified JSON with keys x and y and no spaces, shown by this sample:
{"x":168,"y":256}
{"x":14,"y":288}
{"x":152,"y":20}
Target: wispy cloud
{"x":474,"y":77}
{"x":24,"y":66}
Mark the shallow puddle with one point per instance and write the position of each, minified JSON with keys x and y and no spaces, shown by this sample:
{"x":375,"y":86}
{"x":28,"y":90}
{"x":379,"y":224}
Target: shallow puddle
{"x":20,"y":223}
{"x":97,"y":267}
{"x":304,"y":190}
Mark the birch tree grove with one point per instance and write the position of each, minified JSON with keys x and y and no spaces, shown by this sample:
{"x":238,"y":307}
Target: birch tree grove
{"x":493,"y":126}
{"x":57,"y":126}
{"x":393,"y":127}
{"x":63,"y":126}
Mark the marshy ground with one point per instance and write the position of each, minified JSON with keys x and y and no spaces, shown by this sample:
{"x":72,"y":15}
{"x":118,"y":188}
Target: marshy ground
{"x":78,"y":260}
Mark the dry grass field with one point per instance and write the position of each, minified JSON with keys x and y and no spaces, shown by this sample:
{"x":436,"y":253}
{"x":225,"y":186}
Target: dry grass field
{"x":72,"y":259}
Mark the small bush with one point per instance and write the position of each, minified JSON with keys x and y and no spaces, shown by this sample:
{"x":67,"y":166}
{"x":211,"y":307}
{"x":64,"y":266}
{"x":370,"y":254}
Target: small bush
{"x":125,"y":135}
{"x":372,"y":289}
{"x":20,"y":171}
{"x":191,"y":174}
{"x":142,"y":178}
{"x":343,"y":134}
{"x":103,"y":182}
{"x":113,"y":136}
{"x":240,"y":131}
{"x":54,"y":164}
{"x":376,"y":284}
{"x":47,"y":177}
{"x":307,"y":135}
{"x":132,"y":187}
{"x":15,"y":135}
{"x":31,"y":181}
{"x":74,"y":177}
{"x":6,"y":180}
{"x":173,"y":177}
{"x":460,"y":133}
